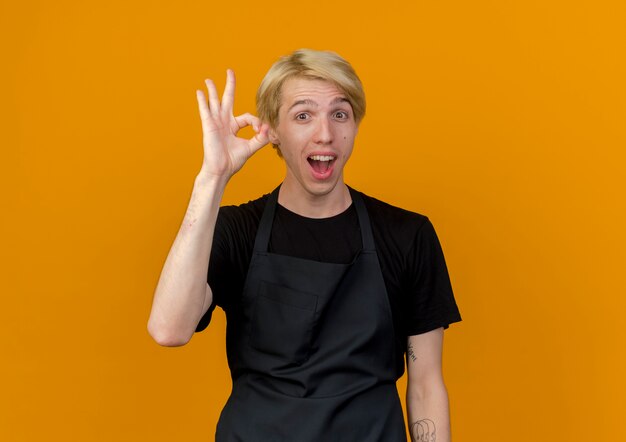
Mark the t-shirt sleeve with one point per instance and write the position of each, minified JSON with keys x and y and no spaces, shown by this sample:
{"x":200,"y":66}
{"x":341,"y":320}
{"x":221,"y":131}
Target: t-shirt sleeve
{"x":431,"y":302}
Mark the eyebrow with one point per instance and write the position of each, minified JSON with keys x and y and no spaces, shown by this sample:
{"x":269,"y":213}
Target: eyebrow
{"x":313,"y":103}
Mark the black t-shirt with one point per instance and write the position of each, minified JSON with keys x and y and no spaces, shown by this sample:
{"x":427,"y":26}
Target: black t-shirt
{"x":409,"y":252}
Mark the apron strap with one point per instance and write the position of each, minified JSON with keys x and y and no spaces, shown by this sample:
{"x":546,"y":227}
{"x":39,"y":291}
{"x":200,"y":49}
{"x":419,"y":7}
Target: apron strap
{"x":265,"y":225}
{"x":262,"y":239}
{"x":364,"y":220}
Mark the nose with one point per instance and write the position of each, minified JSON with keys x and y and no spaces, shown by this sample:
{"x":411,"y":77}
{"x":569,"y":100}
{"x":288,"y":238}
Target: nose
{"x":323,"y":132}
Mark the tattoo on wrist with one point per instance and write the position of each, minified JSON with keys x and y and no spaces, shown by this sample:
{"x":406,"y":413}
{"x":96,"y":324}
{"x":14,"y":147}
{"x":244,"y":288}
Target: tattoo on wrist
{"x":423,"y":431}
{"x":411,"y":353}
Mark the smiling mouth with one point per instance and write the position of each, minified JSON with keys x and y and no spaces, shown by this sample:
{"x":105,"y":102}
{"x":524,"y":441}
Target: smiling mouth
{"x":321,"y":163}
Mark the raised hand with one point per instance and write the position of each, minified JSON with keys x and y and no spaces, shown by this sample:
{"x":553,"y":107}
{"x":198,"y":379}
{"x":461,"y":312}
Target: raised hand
{"x":224,"y":152}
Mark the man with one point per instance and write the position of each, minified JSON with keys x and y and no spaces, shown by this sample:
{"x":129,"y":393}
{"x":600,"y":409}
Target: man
{"x":324,"y":288}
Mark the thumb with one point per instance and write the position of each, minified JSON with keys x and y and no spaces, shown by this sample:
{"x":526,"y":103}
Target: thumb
{"x":260,"y":139}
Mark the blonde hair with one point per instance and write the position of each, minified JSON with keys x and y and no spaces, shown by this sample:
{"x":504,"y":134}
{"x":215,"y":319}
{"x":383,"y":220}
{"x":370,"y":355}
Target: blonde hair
{"x":311,"y":64}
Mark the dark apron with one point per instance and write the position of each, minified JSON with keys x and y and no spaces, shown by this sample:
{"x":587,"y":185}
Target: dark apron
{"x":311,"y":348}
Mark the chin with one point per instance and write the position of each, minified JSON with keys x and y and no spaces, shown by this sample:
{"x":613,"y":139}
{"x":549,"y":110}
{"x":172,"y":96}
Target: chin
{"x":312,"y":186}
{"x":321,"y":188}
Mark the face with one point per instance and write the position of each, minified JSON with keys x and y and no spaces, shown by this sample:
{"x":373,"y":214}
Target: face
{"x":315,"y":134}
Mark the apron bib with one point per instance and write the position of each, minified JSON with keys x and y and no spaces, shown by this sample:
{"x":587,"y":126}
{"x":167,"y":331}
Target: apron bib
{"x":311,"y":348}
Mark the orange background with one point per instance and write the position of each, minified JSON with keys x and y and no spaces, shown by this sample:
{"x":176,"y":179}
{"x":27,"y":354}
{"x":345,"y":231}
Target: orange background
{"x":501,"y":121}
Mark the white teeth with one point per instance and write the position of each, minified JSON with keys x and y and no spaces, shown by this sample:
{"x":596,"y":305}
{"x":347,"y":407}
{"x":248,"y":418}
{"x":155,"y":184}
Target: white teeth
{"x":322,"y":157}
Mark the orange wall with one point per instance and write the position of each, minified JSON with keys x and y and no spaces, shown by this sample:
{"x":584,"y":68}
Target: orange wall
{"x":501,"y":121}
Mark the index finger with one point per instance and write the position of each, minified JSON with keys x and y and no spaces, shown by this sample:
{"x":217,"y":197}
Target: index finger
{"x":229,"y":92}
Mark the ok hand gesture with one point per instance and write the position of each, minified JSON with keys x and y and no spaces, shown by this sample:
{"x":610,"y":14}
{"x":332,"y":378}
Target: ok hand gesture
{"x":224,"y":152}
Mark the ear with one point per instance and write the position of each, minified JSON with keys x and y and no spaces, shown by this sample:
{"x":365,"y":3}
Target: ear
{"x":273,"y":136}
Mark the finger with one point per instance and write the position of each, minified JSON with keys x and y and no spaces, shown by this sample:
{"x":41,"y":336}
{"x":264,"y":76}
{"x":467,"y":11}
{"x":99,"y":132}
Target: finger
{"x":214,"y":102}
{"x":205,"y":115}
{"x":260,"y":139}
{"x":247,"y":119}
{"x":228,"y":98}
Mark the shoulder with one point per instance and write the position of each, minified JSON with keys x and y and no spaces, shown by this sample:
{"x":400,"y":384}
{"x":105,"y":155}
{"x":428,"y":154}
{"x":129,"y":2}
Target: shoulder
{"x":239,"y":223}
{"x":400,"y":236}
{"x":245,"y":213}
{"x":393,"y":219}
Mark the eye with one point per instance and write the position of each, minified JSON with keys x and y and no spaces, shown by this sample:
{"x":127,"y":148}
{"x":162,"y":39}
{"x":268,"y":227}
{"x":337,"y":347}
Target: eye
{"x":302,"y":116}
{"x":342,"y":115}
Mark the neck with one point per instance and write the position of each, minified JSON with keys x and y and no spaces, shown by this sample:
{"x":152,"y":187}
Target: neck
{"x":294,"y":197}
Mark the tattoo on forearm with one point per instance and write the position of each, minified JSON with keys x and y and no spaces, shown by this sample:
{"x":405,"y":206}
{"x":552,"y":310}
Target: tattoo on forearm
{"x":423,"y":431}
{"x":411,"y":353}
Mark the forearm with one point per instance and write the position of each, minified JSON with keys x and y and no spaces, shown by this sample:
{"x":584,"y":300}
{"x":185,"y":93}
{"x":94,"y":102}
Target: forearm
{"x":428,"y":412}
{"x":182,"y":294}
